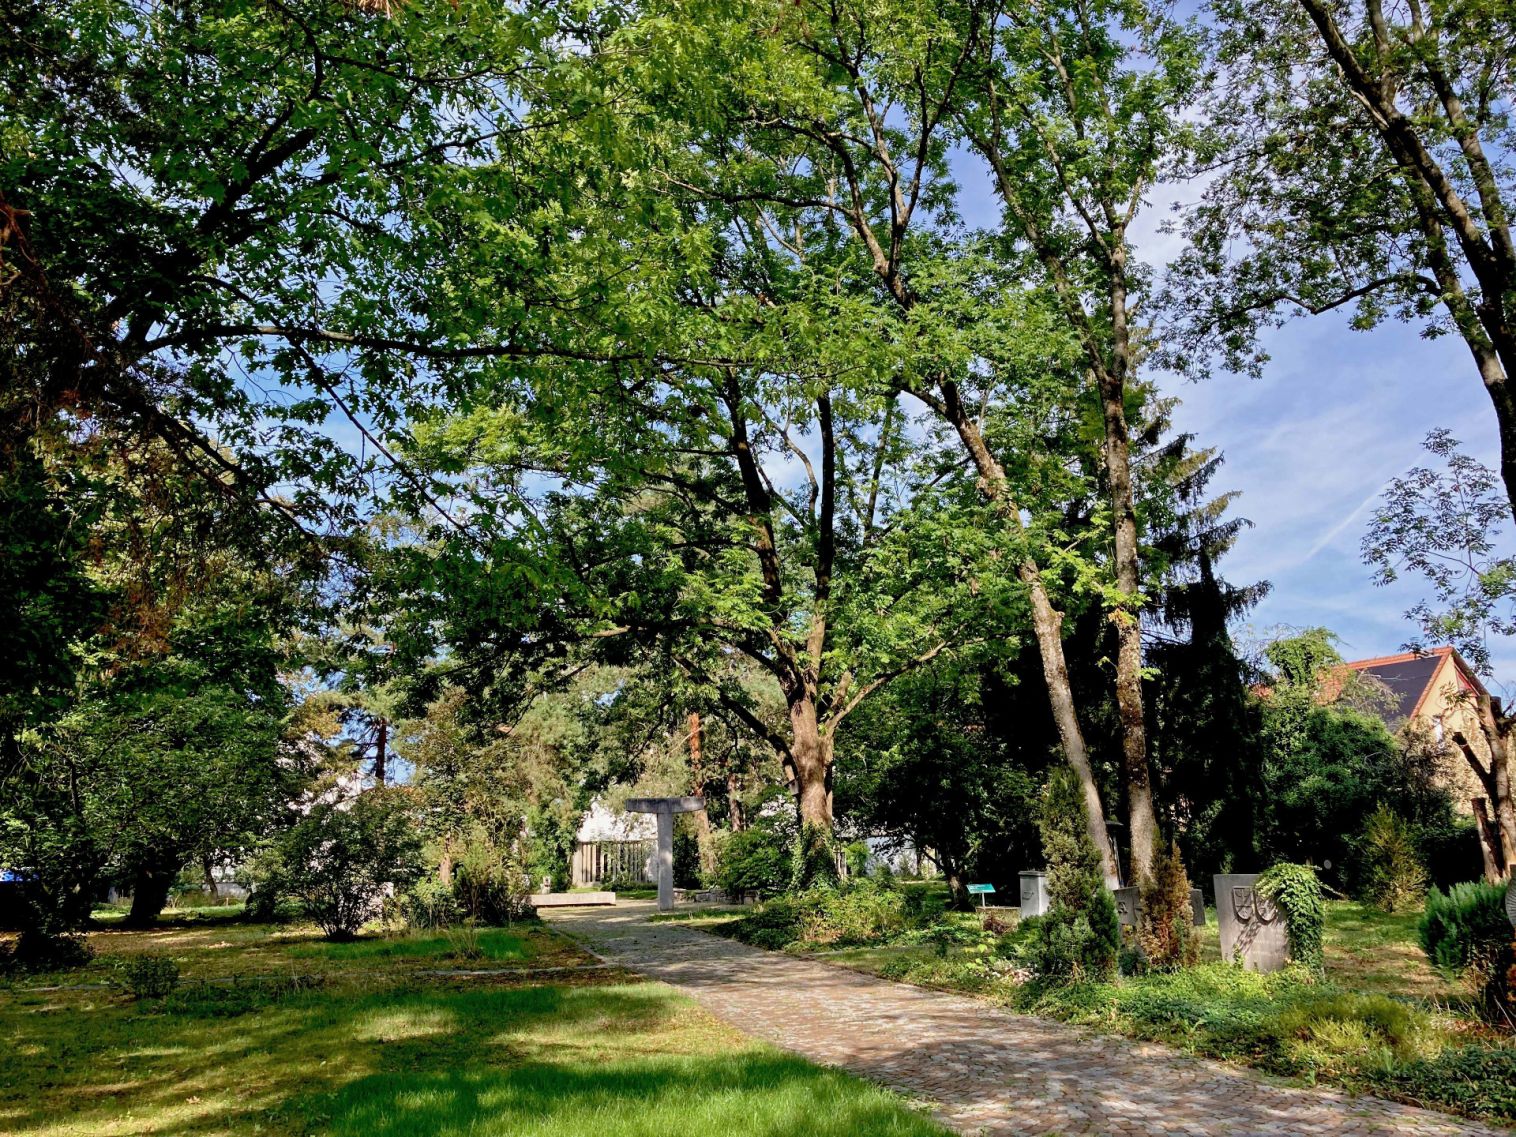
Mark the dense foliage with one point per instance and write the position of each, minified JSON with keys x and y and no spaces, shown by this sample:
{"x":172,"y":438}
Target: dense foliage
{"x":344,"y":857}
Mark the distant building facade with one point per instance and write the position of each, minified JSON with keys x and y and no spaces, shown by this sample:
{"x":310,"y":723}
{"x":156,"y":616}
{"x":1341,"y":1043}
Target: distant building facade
{"x":1432,"y":695}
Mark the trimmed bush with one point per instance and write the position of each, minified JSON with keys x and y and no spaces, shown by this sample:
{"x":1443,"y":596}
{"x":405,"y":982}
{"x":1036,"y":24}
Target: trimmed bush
{"x":1080,"y":937}
{"x":1296,"y":891}
{"x":1166,"y":928}
{"x":1463,"y":923}
{"x":1394,"y":879}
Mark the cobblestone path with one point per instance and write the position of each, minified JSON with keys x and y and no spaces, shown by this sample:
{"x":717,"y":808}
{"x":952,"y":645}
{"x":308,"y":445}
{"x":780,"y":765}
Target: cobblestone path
{"x":985,"y":1069}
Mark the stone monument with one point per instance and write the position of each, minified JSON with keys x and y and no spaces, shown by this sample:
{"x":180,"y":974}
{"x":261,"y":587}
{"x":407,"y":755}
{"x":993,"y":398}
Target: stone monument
{"x":1197,"y":906}
{"x":1128,"y":906}
{"x":1510,"y":901}
{"x":1034,"y":894}
{"x":1252,"y":928}
{"x":664,"y":809}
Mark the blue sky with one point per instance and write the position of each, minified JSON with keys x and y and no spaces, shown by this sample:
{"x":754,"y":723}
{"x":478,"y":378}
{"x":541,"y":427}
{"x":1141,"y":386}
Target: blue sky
{"x":1310,"y":446}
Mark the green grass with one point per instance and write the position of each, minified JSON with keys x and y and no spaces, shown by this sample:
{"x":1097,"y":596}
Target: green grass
{"x":496,"y":945}
{"x":381,"y":1050}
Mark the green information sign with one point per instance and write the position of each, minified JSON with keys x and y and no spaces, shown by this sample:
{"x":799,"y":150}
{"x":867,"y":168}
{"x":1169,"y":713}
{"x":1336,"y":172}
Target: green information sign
{"x":976,"y":889}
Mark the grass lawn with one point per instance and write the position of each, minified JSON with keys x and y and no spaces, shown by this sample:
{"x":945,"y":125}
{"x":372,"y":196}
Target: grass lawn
{"x":379,"y":1047}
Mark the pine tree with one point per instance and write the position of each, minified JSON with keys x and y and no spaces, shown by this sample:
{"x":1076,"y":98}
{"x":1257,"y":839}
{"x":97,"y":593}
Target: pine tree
{"x":1080,"y":936}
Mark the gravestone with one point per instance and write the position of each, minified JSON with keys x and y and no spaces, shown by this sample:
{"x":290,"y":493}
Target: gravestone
{"x":1252,"y":928}
{"x":1197,"y":906}
{"x":1510,"y":901}
{"x":664,"y":809}
{"x":1128,"y":906}
{"x":1034,"y":894}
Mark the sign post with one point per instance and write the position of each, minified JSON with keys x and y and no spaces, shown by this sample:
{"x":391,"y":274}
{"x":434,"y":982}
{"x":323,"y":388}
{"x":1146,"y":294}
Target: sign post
{"x":981,"y":891}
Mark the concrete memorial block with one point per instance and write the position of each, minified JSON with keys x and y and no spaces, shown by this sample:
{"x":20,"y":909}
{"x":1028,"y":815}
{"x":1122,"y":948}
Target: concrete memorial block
{"x":571,"y":899}
{"x":1197,"y":906}
{"x":1034,"y":894}
{"x":1252,"y":928}
{"x":1128,"y":906}
{"x":664,"y":809}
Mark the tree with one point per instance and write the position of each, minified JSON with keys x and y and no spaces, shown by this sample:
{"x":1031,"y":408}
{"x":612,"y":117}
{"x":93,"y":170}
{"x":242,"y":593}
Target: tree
{"x":224,"y":227}
{"x":1166,"y":929}
{"x":930,"y":763}
{"x":1204,"y":730}
{"x":1077,"y":111}
{"x":827,"y":127}
{"x":170,"y":744}
{"x":1358,"y":162}
{"x":1447,"y":527}
{"x":1079,"y":937}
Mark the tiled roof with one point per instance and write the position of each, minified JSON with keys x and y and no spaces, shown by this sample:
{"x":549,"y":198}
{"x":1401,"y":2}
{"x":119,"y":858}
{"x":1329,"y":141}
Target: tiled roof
{"x":1409,"y":676}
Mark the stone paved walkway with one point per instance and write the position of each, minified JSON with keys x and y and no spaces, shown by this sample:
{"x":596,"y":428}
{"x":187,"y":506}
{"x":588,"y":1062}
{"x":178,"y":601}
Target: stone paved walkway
{"x":987,"y":1070}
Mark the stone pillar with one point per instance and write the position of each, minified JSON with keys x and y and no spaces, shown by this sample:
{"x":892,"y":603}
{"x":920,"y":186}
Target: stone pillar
{"x":664,"y":809}
{"x":665,"y":860}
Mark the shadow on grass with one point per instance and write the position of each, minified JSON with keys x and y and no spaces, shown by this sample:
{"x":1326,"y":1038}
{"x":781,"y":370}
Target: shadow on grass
{"x":421,"y":1059}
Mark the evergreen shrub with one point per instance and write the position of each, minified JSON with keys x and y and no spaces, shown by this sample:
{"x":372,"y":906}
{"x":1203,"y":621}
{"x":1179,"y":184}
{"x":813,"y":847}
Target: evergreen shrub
{"x":1079,"y":938}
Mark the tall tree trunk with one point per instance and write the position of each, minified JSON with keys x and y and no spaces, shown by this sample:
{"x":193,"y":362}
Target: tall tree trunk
{"x":210,"y":877}
{"x":736,"y":812}
{"x":1496,"y":728}
{"x":812,"y":752}
{"x":1489,"y":842}
{"x":381,"y":750}
{"x":705,"y":840}
{"x":150,"y":889}
{"x":1047,"y":627}
{"x":1143,"y":825}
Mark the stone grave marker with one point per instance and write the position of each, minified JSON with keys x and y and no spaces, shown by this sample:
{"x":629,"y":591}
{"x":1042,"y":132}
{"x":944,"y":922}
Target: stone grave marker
{"x":1252,"y":928}
{"x":1034,"y":894}
{"x":664,"y":809}
{"x":1197,"y":906}
{"x":1128,"y":906}
{"x":1510,"y":901}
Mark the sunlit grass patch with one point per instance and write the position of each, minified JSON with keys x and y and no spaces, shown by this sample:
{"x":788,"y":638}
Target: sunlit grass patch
{"x":498,"y":945}
{"x":412,"y":1056}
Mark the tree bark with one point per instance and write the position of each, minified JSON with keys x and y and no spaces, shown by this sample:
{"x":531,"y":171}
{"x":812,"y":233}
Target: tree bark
{"x":736,"y":812}
{"x":1496,"y":728}
{"x":1489,"y":843}
{"x":381,"y":750}
{"x":812,"y":752}
{"x":150,"y":889}
{"x":1143,"y":825}
{"x":705,"y":840}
